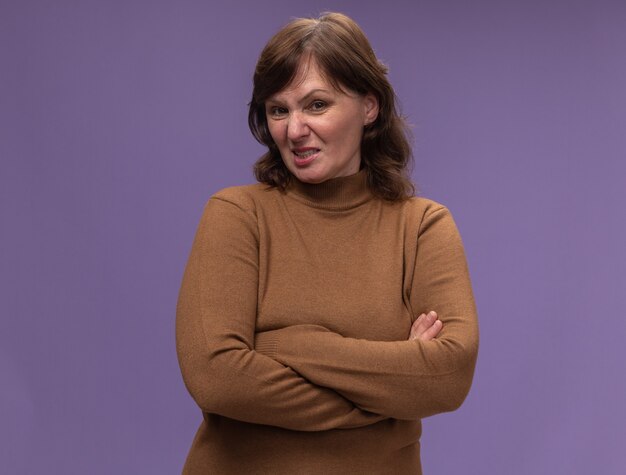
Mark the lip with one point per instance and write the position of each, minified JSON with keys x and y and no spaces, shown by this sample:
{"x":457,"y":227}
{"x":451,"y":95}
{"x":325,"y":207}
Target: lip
{"x":303,"y":162}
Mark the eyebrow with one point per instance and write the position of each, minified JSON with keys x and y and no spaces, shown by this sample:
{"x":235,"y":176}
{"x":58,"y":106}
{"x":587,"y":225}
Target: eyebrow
{"x":304,"y":98}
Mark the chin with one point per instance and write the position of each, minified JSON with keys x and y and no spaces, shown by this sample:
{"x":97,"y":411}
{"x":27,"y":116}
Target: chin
{"x":312,"y":180}
{"x":310,"y":176}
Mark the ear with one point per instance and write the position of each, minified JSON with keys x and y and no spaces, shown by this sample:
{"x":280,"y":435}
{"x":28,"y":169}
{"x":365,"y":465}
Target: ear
{"x":370,"y":103}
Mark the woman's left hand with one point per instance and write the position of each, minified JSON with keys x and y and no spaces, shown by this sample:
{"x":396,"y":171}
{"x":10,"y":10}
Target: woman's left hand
{"x":425,"y":327}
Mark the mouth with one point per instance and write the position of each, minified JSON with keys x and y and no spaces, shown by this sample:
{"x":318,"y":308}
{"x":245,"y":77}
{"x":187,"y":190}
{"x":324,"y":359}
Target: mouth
{"x":304,"y":155}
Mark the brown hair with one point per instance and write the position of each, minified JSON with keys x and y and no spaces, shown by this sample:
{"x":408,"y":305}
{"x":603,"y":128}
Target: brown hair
{"x":347,"y":60}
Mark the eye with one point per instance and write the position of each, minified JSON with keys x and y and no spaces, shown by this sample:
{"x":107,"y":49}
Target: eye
{"x":277,"y":112}
{"x":317,"y":106}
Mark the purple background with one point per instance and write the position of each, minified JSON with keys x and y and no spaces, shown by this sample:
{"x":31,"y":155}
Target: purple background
{"x":119,"y":119}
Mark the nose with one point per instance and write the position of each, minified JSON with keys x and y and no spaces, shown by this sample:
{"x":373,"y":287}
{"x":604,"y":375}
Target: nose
{"x":297,"y":127}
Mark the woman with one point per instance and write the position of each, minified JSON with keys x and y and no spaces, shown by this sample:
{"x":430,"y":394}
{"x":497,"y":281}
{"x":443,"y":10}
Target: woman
{"x":305,"y":323}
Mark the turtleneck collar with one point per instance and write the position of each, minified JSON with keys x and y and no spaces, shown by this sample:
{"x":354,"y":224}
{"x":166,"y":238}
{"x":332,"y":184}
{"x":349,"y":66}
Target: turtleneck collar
{"x":340,"y":193}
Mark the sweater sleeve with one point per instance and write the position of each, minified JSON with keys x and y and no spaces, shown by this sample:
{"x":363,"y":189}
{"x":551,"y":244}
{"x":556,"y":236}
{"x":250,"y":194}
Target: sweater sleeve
{"x":399,"y":379}
{"x":215,"y":325}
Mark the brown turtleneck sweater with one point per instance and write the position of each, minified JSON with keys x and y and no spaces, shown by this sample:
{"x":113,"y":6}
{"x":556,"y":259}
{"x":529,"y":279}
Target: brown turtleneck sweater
{"x":292,"y":327}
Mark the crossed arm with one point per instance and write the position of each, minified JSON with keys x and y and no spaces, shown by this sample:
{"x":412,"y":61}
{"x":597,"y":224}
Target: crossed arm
{"x":305,"y":377}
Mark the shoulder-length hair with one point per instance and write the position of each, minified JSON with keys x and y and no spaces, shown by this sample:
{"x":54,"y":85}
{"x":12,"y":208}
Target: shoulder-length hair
{"x":346,"y":59}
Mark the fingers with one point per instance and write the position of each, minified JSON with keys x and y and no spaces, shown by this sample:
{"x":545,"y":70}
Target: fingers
{"x":432,"y":332}
{"x":426,"y":327}
{"x":419,"y":326}
{"x":423,"y":323}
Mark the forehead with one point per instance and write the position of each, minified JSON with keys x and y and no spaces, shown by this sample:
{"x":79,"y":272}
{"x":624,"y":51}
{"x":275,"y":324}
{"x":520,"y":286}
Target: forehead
{"x":308,"y":77}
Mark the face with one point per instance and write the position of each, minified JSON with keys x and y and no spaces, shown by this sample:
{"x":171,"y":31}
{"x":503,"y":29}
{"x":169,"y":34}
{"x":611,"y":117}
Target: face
{"x":317,"y":128}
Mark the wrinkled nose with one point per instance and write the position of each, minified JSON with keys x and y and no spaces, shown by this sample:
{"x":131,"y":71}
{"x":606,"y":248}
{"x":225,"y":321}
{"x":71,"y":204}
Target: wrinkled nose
{"x":297,"y":127}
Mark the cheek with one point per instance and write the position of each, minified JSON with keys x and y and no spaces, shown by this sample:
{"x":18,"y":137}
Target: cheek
{"x":350,"y":126}
{"x":349,"y":133}
{"x":274,"y":129}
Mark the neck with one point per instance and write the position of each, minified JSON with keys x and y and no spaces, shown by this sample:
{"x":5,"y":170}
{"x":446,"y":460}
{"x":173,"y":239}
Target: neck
{"x":337,"y":193}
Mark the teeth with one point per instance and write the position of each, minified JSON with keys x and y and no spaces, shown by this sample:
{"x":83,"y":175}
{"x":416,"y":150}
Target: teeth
{"x":306,"y":154}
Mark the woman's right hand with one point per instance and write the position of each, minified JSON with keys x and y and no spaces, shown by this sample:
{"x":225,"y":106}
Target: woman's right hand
{"x":425,"y":327}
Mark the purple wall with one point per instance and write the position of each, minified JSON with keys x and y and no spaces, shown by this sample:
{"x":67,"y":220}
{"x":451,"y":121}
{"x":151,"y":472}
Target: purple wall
{"x":119,"y":119}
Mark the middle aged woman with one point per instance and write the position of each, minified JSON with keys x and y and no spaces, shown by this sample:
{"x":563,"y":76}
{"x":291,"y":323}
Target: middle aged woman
{"x":305,"y":329}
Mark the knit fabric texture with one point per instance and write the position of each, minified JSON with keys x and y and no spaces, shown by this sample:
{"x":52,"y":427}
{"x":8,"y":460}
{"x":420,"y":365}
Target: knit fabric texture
{"x":292,"y":326}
